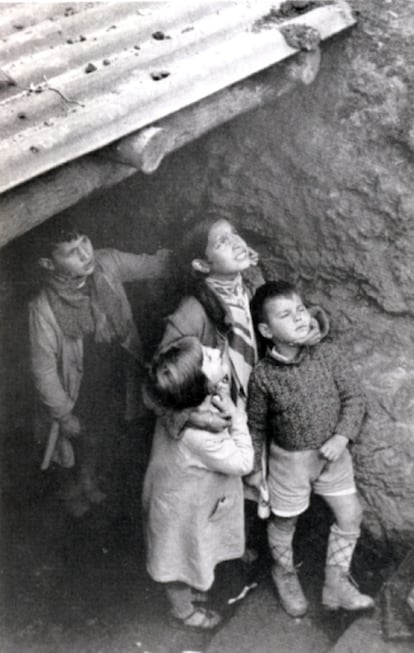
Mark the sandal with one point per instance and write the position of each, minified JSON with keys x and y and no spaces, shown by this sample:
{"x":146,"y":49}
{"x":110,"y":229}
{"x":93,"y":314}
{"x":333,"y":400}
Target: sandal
{"x":199,"y":619}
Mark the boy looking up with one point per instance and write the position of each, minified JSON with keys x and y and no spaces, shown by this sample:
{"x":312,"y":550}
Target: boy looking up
{"x":305,"y":405}
{"x":85,"y":354}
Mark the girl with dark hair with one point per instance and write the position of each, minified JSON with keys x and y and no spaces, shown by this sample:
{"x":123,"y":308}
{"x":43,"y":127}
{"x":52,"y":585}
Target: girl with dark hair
{"x":193,"y":494}
{"x":223,"y":276}
{"x":216,"y":308}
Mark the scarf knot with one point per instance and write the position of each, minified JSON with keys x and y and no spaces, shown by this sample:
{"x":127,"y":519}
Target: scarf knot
{"x":241,"y":336}
{"x":89,"y":307}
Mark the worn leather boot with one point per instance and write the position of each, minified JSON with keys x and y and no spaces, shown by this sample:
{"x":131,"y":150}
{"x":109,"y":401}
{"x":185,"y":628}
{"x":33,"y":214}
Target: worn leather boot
{"x":340,"y":592}
{"x":290,"y":591}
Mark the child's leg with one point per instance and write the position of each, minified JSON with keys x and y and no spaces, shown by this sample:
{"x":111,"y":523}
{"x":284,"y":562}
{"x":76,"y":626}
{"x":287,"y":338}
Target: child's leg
{"x":70,"y":493}
{"x":280,"y":532}
{"x":88,"y":457}
{"x":180,"y":597}
{"x":338,"y":590}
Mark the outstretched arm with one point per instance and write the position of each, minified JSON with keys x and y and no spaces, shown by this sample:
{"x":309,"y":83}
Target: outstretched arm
{"x":137,"y":267}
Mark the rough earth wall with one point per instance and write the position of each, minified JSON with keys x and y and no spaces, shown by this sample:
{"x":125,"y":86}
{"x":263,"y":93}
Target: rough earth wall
{"x":327,"y":175}
{"x":322,"y":183}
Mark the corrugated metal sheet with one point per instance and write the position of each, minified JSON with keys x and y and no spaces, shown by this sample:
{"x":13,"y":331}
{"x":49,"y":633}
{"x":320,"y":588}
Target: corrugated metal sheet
{"x":75,"y":77}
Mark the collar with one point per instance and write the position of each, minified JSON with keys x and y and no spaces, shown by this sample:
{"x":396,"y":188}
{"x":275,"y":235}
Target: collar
{"x":226,"y":288}
{"x":62,"y":282}
{"x":274,"y":355}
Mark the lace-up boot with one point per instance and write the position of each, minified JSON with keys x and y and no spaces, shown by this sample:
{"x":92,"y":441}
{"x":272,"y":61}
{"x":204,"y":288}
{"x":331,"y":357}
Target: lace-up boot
{"x":339,"y":591}
{"x":290,"y":591}
{"x":280,"y":535}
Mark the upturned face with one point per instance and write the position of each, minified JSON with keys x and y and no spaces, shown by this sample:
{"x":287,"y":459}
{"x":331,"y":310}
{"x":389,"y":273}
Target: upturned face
{"x":74,"y":258}
{"x":227,"y":254}
{"x":287,"y":320}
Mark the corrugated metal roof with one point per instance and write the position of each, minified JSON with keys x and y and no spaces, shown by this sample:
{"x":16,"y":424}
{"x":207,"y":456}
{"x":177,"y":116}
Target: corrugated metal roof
{"x":75,"y":77}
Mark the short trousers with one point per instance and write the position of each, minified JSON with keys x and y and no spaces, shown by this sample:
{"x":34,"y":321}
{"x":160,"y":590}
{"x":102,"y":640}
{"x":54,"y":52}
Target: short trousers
{"x":294,"y":475}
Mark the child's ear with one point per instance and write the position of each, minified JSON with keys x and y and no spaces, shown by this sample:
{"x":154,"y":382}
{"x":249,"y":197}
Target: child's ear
{"x":46,"y":264}
{"x":264,"y":330}
{"x":200,"y":265}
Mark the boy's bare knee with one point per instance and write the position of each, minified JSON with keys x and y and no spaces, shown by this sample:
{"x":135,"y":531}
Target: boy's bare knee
{"x":347,"y":511}
{"x":358,"y":512}
{"x":286,"y":524}
{"x":352,"y":516}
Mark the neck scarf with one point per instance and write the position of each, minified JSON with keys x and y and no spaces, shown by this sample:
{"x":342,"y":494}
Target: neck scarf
{"x":241,"y":336}
{"x":89,"y":307}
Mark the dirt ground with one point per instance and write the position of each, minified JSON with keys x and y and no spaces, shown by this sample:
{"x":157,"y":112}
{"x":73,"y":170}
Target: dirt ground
{"x":80,"y":586}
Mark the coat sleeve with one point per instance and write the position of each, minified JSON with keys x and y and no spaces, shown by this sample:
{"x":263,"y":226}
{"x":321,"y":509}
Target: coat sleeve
{"x":187,"y":320}
{"x":257,"y":411}
{"x":351,"y":397}
{"x":220,"y":452}
{"x":44,"y":362}
{"x":137,"y":267}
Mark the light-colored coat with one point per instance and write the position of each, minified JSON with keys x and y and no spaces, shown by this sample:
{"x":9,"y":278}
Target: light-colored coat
{"x":57,"y":361}
{"x":193,"y":501}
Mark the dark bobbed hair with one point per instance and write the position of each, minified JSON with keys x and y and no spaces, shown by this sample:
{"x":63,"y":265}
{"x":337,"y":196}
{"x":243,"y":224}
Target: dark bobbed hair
{"x":266,"y":292}
{"x":52,"y":233}
{"x":175,"y":376}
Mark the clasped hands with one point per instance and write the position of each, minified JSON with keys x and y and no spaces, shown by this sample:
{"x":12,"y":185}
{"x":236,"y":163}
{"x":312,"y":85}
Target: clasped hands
{"x":213,"y":421}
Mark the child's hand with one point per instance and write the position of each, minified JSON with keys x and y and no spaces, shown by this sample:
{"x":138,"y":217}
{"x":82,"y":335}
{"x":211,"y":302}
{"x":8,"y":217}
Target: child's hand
{"x":224,"y":403}
{"x":165,"y":256}
{"x":313,"y":336}
{"x":254,"y":479}
{"x":71,"y":426}
{"x":209,"y":421}
{"x":333,"y":448}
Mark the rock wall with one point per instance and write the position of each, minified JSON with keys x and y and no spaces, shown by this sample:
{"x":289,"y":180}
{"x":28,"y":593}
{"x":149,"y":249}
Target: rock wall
{"x":326,"y":176}
{"x":322,"y":185}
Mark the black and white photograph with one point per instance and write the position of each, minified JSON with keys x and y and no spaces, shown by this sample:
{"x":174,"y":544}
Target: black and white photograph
{"x":207,"y":326}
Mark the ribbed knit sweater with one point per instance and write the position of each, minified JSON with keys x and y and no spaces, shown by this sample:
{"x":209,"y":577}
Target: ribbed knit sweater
{"x":302,"y":403}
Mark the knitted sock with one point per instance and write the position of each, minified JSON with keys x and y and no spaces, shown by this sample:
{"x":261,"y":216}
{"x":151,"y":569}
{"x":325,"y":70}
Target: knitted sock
{"x":280,"y":534}
{"x":341,"y":545}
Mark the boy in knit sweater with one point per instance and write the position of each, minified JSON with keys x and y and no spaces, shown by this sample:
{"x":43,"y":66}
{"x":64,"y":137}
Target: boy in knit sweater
{"x":304,"y":407}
